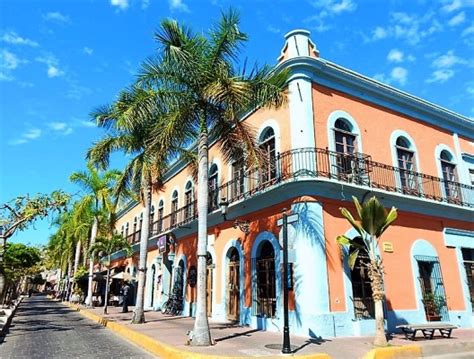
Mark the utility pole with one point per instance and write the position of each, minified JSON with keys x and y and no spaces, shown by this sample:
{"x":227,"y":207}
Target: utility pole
{"x":283,"y":222}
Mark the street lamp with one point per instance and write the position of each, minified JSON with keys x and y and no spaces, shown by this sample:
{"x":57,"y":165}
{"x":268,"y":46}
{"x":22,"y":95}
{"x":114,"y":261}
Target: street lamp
{"x":243,"y":225}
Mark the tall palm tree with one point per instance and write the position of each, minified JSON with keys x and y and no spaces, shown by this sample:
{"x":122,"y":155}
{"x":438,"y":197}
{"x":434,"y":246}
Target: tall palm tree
{"x":206,"y":97}
{"x":105,"y":247}
{"x":371,"y":222}
{"x":130,"y":121}
{"x":99,"y":189}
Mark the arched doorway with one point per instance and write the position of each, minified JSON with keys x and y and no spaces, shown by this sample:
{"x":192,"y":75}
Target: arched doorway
{"x":209,"y":284}
{"x":266,"y":281}
{"x":153,"y":273}
{"x":233,"y":285}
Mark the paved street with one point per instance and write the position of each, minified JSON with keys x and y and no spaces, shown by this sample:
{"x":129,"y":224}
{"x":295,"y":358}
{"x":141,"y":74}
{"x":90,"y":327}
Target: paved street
{"x":42,"y":328}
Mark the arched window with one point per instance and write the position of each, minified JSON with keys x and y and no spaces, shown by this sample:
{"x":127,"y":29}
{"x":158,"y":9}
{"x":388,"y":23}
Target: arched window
{"x":161,"y":208}
{"x":266,"y":281}
{"x":135,"y":224}
{"x":213,"y":188}
{"x":448,"y":169}
{"x":189,"y":201}
{"x":126,"y":229}
{"x":141,"y":221}
{"x":406,"y":164}
{"x":174,"y":208}
{"x":233,"y":284}
{"x":361,"y":289}
{"x":152,"y":213}
{"x":238,"y":178}
{"x":345,"y":146}
{"x":267,"y":146}
{"x":122,"y":231}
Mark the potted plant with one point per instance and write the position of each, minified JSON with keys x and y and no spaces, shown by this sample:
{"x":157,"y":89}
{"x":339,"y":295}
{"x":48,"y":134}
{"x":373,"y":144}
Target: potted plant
{"x":433,"y":305}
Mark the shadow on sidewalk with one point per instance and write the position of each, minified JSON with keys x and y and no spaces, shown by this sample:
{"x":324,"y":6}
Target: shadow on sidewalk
{"x":311,"y":341}
{"x":237,"y":335}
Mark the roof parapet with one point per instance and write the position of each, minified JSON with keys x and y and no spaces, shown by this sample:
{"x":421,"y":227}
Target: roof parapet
{"x":298,"y":43}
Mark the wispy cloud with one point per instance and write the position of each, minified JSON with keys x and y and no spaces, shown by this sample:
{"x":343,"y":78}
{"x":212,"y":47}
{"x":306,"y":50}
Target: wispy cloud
{"x":440,"y":76}
{"x":8,"y":63}
{"x":56,"y":16}
{"x":457,"y":19}
{"x":398,"y":75}
{"x":411,"y":28}
{"x":11,"y":37}
{"x":121,"y":4}
{"x":453,"y":5}
{"x":87,"y":50}
{"x":398,"y":56}
{"x":178,"y":5}
{"x":273,"y":29}
{"x":448,"y":60}
{"x":468,"y":31}
{"x":27,"y":136}
{"x":61,"y":127}
{"x":328,"y":9}
{"x":52,"y":65}
{"x":145,"y":4}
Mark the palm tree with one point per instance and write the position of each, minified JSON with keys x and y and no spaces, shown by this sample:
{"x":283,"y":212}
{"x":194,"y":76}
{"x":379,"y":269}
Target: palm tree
{"x":206,"y":97}
{"x":372,"y":221}
{"x":130,"y":122}
{"x":99,"y":188}
{"x":105,"y":247}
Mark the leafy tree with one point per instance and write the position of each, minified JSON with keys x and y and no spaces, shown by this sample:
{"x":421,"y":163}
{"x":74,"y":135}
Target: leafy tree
{"x":99,"y":199}
{"x":130,"y":122}
{"x":19,"y":213}
{"x":105,"y":247}
{"x":205,"y":97}
{"x":372,"y":221}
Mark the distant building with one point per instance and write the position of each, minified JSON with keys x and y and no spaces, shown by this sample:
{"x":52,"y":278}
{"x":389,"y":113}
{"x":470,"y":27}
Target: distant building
{"x":340,"y":135}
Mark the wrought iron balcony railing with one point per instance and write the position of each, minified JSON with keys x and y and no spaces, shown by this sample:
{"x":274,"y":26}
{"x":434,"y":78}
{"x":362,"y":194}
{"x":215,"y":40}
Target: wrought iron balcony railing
{"x":306,"y":163}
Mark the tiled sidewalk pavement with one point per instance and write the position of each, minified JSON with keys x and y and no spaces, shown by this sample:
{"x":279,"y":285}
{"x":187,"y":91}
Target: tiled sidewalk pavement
{"x":244,"y":341}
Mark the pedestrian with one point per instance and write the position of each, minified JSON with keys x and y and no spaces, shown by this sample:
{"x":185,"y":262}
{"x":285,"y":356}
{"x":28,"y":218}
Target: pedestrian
{"x":125,"y":291}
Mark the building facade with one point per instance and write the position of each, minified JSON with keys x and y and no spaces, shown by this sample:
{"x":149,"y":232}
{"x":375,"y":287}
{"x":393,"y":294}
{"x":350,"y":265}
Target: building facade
{"x":339,"y":135}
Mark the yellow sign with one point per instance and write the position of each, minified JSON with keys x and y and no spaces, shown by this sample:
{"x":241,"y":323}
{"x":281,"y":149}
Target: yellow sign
{"x":387,"y":247}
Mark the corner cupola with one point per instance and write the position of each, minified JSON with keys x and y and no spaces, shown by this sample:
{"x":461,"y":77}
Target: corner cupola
{"x":298,"y":43}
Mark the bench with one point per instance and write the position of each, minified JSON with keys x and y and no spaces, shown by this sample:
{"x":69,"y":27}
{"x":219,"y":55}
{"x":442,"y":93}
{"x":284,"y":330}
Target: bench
{"x":428,"y":329}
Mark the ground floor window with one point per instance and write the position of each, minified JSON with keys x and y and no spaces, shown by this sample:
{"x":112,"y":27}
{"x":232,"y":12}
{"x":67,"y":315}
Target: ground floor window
{"x":468,"y":258}
{"x":265,"y":301}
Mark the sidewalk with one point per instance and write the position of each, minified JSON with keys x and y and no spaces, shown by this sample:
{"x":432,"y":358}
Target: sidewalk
{"x":233,"y":340}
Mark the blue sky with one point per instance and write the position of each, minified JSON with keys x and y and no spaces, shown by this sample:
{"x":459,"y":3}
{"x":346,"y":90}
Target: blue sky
{"x":60,"y":59}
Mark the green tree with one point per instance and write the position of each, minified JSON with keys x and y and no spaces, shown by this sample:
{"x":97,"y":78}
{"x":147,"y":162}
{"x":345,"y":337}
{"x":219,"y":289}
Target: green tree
{"x":105,"y":247}
{"x":99,"y":188}
{"x":372,"y":221}
{"x":130,"y":121}
{"x":206,"y":97}
{"x":21,"y":212}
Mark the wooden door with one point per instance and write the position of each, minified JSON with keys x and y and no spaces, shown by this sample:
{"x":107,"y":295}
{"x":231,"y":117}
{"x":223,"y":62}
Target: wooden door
{"x":233,"y":291}
{"x":209,"y":285}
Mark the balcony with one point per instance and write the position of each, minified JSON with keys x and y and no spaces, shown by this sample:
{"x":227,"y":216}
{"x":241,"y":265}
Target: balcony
{"x":310,"y":163}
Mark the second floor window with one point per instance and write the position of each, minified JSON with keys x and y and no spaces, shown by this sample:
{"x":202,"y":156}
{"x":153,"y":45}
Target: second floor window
{"x":345,"y":146}
{"x":174,"y":208}
{"x":267,"y":146}
{"x":126,"y":229}
{"x":406,"y":164}
{"x":161,"y":207}
{"x":135,"y":223}
{"x":189,"y":199}
{"x":238,"y":178}
{"x":213,"y":188}
{"x":448,"y":169}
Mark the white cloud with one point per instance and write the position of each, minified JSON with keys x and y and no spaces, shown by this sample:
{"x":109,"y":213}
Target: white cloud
{"x":379,"y":33}
{"x":57,"y":126}
{"x":52,"y":65}
{"x":399,"y":74}
{"x":470,"y":90}
{"x":409,"y":27}
{"x":452,"y":6}
{"x":56,"y":16}
{"x":328,"y":9}
{"x":89,"y":124}
{"x":458,"y":19}
{"x":121,"y":4}
{"x":395,"y":55}
{"x":145,"y":4}
{"x":27,"y":136}
{"x":87,"y":50}
{"x":13,"y":38}
{"x":178,"y":5}
{"x":448,"y":60}
{"x":468,"y":31}
{"x":9,"y":61}
{"x":6,"y":77}
{"x":440,"y":76}
{"x":273,"y":29}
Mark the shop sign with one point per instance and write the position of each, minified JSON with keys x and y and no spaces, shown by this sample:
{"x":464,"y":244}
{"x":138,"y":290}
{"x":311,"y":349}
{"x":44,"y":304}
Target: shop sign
{"x":162,"y":243}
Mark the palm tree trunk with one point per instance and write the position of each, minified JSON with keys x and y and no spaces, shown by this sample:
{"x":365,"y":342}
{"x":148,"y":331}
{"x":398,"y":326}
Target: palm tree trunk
{"x":91,"y":263}
{"x":77,"y":256}
{"x":107,"y":287}
{"x":201,"y":335}
{"x":69,"y":277}
{"x":375,"y":271}
{"x":139,"y":312}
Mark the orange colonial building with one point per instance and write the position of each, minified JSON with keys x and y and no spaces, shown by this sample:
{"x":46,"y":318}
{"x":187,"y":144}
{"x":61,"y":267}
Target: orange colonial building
{"x":340,"y":135}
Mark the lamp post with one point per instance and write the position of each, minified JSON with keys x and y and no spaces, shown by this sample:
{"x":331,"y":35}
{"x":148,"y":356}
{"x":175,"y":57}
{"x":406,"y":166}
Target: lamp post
{"x":243,"y":225}
{"x":283,"y":222}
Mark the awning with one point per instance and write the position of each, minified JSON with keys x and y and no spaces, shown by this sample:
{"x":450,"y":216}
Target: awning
{"x":123,"y":276}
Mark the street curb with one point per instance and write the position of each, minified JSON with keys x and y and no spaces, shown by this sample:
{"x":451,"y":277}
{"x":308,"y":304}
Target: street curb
{"x":164,"y":350}
{"x":405,"y":351}
{"x":4,"y":328}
